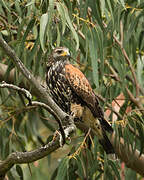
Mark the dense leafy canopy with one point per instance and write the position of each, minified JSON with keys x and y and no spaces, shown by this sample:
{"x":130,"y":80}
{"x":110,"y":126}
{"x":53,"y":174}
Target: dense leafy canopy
{"x":106,"y":40}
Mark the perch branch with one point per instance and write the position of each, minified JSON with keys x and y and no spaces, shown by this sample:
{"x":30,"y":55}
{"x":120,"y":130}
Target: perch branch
{"x":35,"y":103}
{"x":41,"y":93}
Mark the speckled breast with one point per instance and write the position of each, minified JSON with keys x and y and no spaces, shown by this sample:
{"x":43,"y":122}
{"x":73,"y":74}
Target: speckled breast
{"x":59,"y":87}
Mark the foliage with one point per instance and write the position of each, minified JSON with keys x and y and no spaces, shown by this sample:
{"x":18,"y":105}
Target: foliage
{"x":89,"y":29}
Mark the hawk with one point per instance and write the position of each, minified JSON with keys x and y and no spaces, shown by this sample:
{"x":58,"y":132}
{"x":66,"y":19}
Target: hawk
{"x":72,"y":92}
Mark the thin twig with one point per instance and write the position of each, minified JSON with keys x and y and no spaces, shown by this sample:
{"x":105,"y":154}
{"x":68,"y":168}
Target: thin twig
{"x":129,"y":64}
{"x":43,"y":105}
{"x":41,"y":92}
{"x":14,"y":87}
{"x":132,"y":98}
{"x":35,"y":103}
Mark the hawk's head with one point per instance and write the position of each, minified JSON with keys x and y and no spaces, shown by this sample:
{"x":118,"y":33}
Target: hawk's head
{"x":60,"y":53}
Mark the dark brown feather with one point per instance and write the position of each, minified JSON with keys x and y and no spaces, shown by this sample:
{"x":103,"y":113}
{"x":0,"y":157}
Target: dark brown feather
{"x":72,"y":92}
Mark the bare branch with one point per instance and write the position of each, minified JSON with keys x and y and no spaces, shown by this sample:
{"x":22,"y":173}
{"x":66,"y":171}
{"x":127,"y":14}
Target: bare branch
{"x":31,"y":156}
{"x":35,"y":103}
{"x":43,"y":105}
{"x":132,"y":98}
{"x":22,"y":90}
{"x":131,"y":158}
{"x":129,"y":63}
{"x":124,"y":152}
{"x":41,"y":93}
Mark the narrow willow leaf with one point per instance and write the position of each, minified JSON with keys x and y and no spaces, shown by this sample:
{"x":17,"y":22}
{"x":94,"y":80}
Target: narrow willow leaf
{"x":140,"y":66}
{"x":62,"y":14}
{"x":62,"y":170}
{"x":58,"y":37}
{"x":18,"y":9}
{"x":29,"y":27}
{"x":69,"y":22}
{"x":94,"y":5}
{"x":115,"y":169}
{"x":99,"y":41}
{"x":122,"y":3}
{"x":33,"y":51}
{"x":133,"y":24}
{"x":30,"y":3}
{"x":19,"y":171}
{"x":140,"y":130}
{"x":49,"y":23}
{"x":80,"y":170}
{"x":43,"y":29}
{"x":94,"y":57}
{"x":103,"y":7}
{"x":111,"y":11}
{"x":5,"y":5}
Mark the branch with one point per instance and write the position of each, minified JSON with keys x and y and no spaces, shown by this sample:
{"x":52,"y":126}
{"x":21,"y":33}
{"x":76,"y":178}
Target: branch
{"x":22,"y":90}
{"x":35,"y":103}
{"x":132,"y":98}
{"x":31,"y":156}
{"x":131,"y":158}
{"x":120,"y":43}
{"x":41,"y":93}
{"x":129,"y":64}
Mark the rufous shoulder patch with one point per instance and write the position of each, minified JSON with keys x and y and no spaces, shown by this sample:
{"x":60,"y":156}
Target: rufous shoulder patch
{"x":77,"y":78}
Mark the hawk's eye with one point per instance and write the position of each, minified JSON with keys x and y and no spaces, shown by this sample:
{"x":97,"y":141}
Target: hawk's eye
{"x":59,"y":51}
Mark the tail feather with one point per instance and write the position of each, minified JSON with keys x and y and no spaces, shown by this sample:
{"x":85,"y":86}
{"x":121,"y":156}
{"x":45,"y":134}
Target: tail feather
{"x":106,"y":125}
{"x":107,"y":146}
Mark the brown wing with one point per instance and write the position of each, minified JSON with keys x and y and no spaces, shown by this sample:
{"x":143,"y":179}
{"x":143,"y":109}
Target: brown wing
{"x":82,"y":88}
{"x":80,"y":84}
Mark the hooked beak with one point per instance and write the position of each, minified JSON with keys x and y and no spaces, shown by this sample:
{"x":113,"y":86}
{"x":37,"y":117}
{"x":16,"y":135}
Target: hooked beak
{"x":65,"y":53}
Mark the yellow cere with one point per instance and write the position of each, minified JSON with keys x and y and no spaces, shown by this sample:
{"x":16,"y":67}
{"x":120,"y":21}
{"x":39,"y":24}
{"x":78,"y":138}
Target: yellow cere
{"x":64,"y":53}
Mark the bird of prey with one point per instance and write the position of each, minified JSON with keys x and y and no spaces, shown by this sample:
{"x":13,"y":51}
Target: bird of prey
{"x":72,"y":92}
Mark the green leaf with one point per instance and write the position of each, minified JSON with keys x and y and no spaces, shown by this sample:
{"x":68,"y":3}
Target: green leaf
{"x":103,"y":7}
{"x":5,"y":5}
{"x":28,"y":29}
{"x":43,"y":28}
{"x":33,"y":52}
{"x":122,"y":3}
{"x":58,"y":37}
{"x":94,"y":56}
{"x":19,"y":171}
{"x":62,"y":170}
{"x":140,"y":67}
{"x":69,"y":22}
{"x":62,"y":14}
{"x":80,"y":170}
{"x":18,"y":9}
{"x":115,"y":169}
{"x":133,"y":24}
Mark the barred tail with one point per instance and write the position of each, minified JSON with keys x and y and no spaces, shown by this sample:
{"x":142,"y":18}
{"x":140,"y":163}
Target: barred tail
{"x":107,"y":146}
